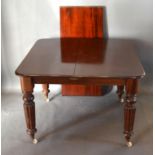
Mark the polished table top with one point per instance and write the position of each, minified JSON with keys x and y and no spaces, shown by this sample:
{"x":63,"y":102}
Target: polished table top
{"x":69,"y":57}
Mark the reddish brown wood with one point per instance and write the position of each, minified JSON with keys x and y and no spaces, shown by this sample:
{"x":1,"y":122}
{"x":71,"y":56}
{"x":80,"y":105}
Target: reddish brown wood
{"x":80,"y":51}
{"x":78,"y":80}
{"x":45,"y":89}
{"x":115,"y":62}
{"x":79,"y":22}
{"x":29,"y":105}
{"x":81,"y":90}
{"x":129,"y":108}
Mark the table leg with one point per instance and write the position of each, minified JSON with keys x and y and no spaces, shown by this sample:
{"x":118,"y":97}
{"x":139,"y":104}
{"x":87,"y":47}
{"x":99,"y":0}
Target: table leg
{"x":130,"y":109}
{"x":45,"y":90}
{"x":29,"y":106}
{"x":120,"y":92}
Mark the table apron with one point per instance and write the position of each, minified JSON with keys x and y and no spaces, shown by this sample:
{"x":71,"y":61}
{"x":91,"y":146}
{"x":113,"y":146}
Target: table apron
{"x":78,"y":80}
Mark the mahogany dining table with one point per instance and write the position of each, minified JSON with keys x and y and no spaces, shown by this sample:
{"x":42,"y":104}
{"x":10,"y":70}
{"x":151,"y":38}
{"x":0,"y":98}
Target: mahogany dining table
{"x":85,"y":61}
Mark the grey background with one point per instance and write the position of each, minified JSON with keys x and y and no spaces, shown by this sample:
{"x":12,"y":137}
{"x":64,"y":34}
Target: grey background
{"x":73,"y":125}
{"x":24,"y":22}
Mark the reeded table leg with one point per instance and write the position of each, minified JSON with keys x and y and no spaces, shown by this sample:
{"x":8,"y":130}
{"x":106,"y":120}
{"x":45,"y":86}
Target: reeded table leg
{"x":130,"y":109}
{"x":120,"y":92}
{"x":29,"y":106}
{"x":45,"y":91}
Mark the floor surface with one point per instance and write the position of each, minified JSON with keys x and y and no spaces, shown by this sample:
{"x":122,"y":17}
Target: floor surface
{"x":77,"y":125}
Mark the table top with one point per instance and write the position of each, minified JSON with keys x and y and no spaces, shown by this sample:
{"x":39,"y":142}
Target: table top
{"x":82,"y":57}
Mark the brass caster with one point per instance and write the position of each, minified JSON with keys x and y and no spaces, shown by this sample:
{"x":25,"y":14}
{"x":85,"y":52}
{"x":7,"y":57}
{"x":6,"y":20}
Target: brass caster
{"x":122,"y":100}
{"x":129,"y":144}
{"x":35,"y":141}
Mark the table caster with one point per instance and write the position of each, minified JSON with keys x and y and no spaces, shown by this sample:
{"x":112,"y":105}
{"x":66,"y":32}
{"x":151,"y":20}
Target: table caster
{"x":47,"y":100}
{"x":45,"y":96}
{"x":34,"y":141}
{"x":122,"y":100}
{"x":129,"y":144}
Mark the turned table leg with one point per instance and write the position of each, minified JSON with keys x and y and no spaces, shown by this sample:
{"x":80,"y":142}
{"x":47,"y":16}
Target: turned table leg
{"x":120,"y":92}
{"x":130,"y":109}
{"x":29,"y":106}
{"x":45,"y":90}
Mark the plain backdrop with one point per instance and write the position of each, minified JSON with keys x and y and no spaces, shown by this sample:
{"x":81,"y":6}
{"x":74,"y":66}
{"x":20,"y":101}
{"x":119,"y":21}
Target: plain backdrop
{"x":25,"y":21}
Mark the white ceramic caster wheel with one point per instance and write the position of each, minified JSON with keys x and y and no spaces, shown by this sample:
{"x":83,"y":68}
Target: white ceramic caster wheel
{"x":47,"y":100}
{"x":35,"y":141}
{"x":122,"y":100}
{"x":129,"y":144}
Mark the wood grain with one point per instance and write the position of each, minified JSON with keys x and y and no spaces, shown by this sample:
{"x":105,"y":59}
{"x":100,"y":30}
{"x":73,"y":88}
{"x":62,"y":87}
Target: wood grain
{"x":130,"y":108}
{"x":29,"y":105}
{"x":79,"y":22}
{"x":115,"y":63}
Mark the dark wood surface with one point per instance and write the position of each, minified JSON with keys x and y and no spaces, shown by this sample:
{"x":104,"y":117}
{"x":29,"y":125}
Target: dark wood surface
{"x":81,"y":22}
{"x":29,"y":106}
{"x":113,"y":58}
